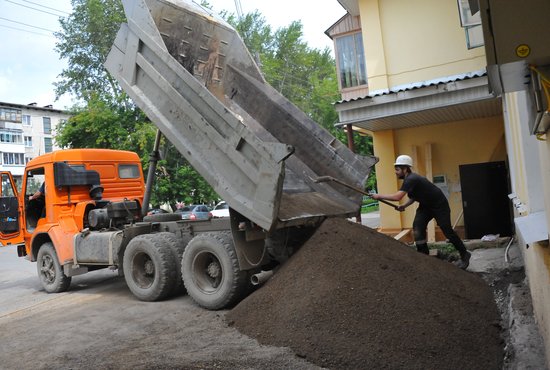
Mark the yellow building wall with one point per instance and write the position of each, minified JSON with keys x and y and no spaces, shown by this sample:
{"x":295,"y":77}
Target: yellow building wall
{"x":410,"y":41}
{"x":452,"y":144}
{"x":536,"y":256}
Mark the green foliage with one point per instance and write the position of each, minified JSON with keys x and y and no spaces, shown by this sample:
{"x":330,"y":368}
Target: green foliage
{"x":107,"y":118}
{"x":100,"y":124}
{"x":85,"y":40}
{"x":177,"y":181}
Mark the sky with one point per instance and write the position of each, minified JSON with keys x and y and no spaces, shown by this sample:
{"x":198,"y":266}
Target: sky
{"x":29,"y":64}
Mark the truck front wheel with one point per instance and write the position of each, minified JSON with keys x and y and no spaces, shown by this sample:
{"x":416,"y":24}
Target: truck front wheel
{"x":50,"y":271}
{"x":210,"y":271}
{"x":149,"y":267}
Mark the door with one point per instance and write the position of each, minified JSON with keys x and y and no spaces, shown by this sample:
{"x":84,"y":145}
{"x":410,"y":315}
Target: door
{"x":485,"y":199}
{"x":10,"y":232}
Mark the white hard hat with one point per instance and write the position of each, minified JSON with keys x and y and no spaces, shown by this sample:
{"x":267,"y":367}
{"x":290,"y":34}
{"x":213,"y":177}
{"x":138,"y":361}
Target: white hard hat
{"x":403,"y":160}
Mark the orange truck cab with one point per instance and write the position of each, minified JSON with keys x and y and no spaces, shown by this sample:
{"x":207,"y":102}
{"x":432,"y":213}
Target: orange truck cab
{"x":79,"y":190}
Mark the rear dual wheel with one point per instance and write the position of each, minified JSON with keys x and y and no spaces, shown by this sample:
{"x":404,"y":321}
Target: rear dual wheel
{"x":177,"y":246}
{"x":211,"y":273}
{"x":150,"y":267}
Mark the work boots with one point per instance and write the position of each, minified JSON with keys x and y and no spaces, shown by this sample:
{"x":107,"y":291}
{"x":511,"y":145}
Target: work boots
{"x":464,"y":261}
{"x":423,"y":248}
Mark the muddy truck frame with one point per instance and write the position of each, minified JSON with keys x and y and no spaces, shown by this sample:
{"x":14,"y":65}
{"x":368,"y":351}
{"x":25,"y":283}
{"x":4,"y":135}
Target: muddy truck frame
{"x":191,"y":73}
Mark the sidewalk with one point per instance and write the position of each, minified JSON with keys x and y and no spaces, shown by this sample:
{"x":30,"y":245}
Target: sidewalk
{"x":371,"y":219}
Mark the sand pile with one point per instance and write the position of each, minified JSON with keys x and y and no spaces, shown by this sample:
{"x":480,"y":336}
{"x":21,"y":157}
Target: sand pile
{"x":353,"y":298}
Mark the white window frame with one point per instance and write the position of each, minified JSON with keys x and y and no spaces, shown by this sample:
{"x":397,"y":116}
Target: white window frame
{"x":354,"y":69}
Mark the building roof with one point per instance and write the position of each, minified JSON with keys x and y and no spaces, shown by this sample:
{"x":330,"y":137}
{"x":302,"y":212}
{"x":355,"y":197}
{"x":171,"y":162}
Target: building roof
{"x":446,"y":99}
{"x":33,"y":106}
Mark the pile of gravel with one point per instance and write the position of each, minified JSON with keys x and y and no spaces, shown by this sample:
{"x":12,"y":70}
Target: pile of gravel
{"x":354,"y":298}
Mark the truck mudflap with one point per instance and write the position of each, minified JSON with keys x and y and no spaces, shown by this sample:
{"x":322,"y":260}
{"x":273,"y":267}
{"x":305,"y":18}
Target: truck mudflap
{"x":191,"y":73}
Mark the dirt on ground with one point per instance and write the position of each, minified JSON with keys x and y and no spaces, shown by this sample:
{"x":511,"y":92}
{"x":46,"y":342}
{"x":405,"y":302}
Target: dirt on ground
{"x":354,"y":298}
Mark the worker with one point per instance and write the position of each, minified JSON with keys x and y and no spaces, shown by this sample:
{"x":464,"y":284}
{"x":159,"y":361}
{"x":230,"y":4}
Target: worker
{"x":432,"y":204}
{"x":39,"y":193}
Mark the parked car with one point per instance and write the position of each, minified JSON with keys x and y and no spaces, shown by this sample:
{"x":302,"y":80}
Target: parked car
{"x":195,"y":212}
{"x":221,"y":210}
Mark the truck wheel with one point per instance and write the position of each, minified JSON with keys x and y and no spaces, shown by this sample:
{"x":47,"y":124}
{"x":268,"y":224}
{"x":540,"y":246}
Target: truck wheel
{"x":210,"y":271}
{"x":149,"y":268}
{"x":177,"y":246}
{"x":50,"y":271}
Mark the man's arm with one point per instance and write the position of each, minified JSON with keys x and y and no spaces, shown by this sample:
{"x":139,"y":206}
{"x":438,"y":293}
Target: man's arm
{"x":405,"y":205}
{"x":395,"y":196}
{"x":35,"y":195}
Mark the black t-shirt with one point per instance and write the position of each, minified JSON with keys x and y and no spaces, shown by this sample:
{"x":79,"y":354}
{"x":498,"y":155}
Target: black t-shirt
{"x":423,"y":191}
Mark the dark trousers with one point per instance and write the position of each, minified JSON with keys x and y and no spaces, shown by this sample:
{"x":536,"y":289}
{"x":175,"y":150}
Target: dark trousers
{"x":442,"y":215}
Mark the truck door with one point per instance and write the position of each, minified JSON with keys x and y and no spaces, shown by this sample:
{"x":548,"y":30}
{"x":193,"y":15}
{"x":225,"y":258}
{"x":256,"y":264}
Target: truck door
{"x":9,"y":211}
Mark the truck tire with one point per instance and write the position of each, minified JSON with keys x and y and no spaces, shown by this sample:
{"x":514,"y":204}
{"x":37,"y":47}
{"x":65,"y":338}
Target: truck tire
{"x":210,"y":271}
{"x":149,"y":268}
{"x":50,"y":271}
{"x":177,"y":246}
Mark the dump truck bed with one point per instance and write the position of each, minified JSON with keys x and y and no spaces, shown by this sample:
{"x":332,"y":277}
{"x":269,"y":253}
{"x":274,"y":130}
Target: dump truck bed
{"x":191,"y":73}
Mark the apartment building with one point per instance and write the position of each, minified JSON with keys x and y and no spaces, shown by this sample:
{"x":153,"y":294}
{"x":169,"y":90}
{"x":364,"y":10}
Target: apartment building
{"x":26,"y":131}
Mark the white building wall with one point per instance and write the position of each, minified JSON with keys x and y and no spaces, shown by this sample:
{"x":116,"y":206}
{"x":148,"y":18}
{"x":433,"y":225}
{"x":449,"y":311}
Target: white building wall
{"x":29,"y":126}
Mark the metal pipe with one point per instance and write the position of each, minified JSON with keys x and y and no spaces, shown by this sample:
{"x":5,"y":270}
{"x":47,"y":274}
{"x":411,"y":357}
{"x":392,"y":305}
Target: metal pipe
{"x":261,"y":277}
{"x":506,"y":259}
{"x":330,"y":178}
{"x":153,"y":159}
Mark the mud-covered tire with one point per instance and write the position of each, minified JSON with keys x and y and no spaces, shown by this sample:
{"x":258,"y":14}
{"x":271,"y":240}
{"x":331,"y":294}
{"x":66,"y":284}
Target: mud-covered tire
{"x":177,"y":246}
{"x":149,"y":268}
{"x":50,"y":271}
{"x":211,"y":273}
{"x":162,"y":217}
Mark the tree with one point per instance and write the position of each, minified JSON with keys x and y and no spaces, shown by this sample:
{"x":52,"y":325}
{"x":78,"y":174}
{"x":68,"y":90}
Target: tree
{"x":106,"y":117}
{"x":85,"y":40}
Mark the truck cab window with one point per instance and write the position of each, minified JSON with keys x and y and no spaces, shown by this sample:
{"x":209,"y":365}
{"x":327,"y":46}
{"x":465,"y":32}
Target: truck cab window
{"x":35,"y":208}
{"x":7,"y":190}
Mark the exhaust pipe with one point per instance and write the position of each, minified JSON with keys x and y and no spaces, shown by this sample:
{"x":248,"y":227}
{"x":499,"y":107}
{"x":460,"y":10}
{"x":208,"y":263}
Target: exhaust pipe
{"x":261,"y":277}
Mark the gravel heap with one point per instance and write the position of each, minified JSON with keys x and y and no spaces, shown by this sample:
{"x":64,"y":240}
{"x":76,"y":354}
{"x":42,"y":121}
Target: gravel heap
{"x":354,"y":298}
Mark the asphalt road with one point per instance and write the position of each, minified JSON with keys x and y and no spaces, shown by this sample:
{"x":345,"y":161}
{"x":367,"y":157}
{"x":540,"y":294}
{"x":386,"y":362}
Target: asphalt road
{"x":99,"y":324}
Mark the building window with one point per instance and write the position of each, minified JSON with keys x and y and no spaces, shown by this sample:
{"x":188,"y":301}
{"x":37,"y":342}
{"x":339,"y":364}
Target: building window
{"x":26,"y":120}
{"x":27,"y":159}
{"x":9,"y":114}
{"x":47,"y":144}
{"x":13,"y":159}
{"x":28,"y":141}
{"x":470,"y":20}
{"x":352,"y":69}
{"x":11,"y":137}
{"x":47,"y":125}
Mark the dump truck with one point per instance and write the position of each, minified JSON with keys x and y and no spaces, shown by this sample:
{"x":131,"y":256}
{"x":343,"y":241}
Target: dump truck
{"x":193,"y":76}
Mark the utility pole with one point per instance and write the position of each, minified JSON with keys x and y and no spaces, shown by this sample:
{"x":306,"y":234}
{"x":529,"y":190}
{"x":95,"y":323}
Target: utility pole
{"x":239,"y":9}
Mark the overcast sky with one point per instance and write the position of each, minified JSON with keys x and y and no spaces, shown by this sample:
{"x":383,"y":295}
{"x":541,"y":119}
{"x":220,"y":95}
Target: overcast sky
{"x":29,"y":64}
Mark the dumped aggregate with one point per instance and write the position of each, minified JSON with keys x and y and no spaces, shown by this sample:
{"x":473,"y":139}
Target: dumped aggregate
{"x":354,"y":298}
